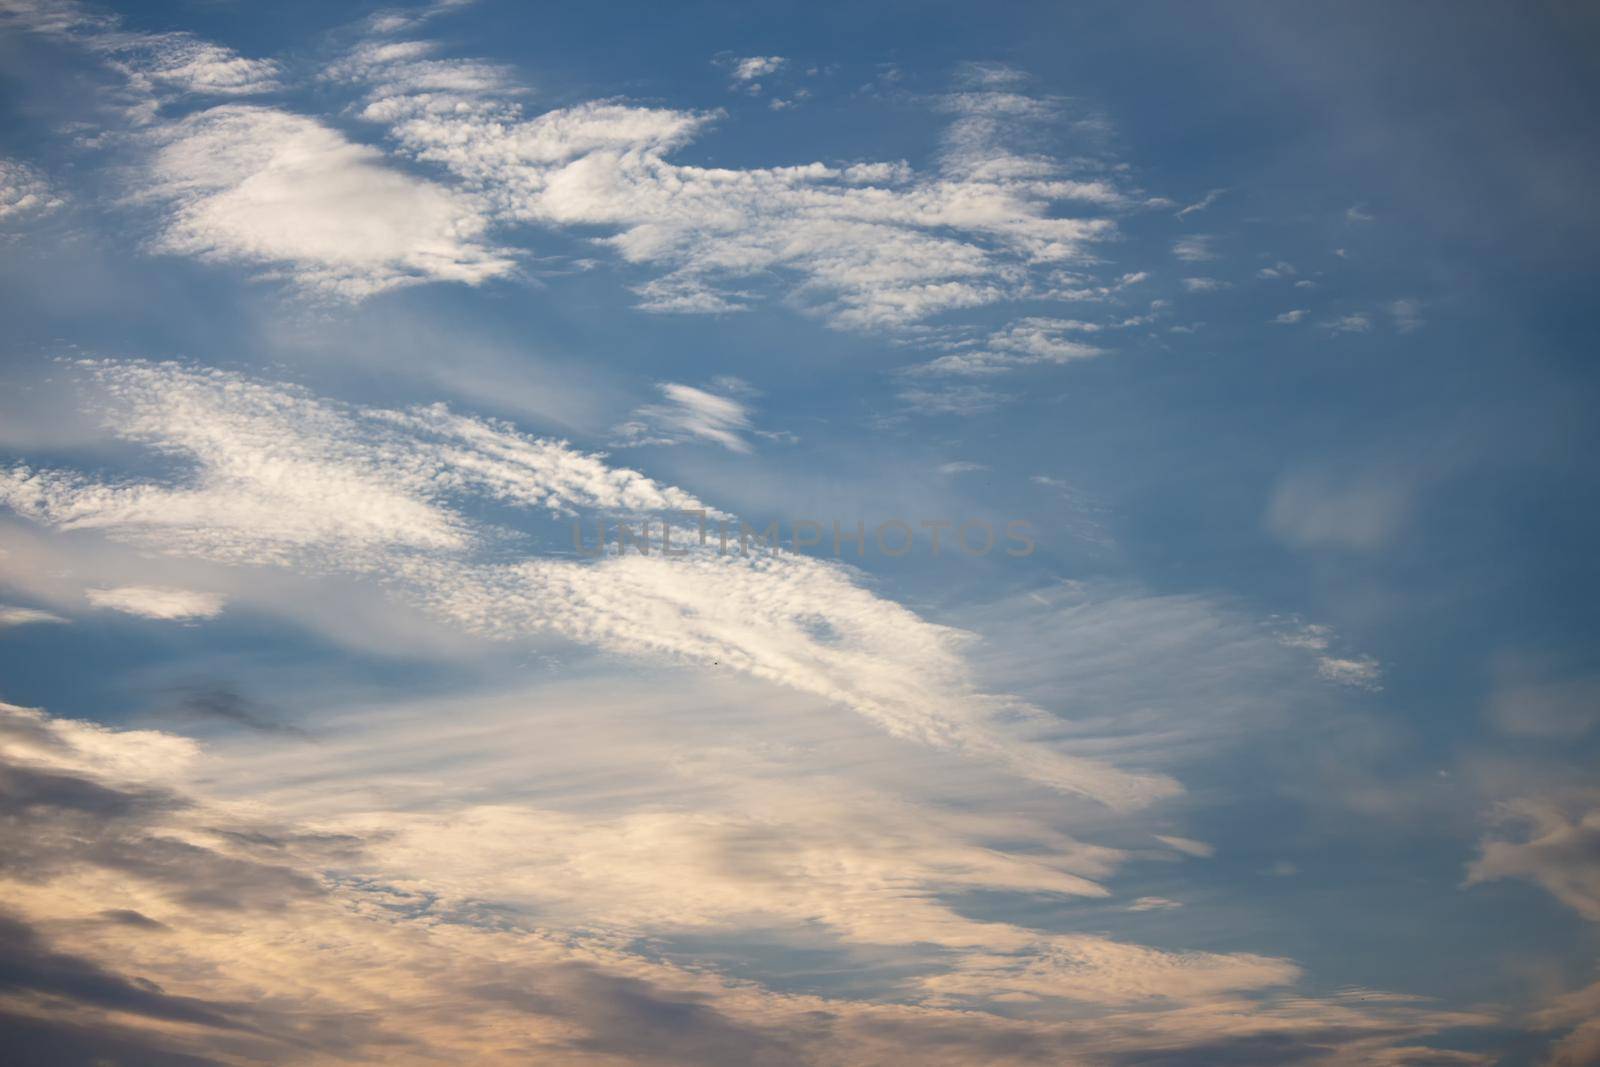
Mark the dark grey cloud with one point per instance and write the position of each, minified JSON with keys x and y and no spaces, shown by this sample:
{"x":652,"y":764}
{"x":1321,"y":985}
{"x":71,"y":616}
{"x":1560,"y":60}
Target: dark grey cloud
{"x":55,"y":820}
{"x":55,"y":1042}
{"x":1250,"y":1050}
{"x":630,"y":1018}
{"x":27,"y":790}
{"x":129,"y":917}
{"x":215,"y":701}
{"x":29,"y":965}
{"x":74,"y":993}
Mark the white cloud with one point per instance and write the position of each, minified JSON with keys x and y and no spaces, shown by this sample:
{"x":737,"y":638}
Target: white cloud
{"x":267,"y":188}
{"x":1277,"y":270}
{"x":1026,"y":342}
{"x":397,"y":20}
{"x":962,"y":467}
{"x":11,"y":615}
{"x":1356,"y":671}
{"x":753,"y":68}
{"x":1360,"y":672}
{"x":1289,"y":318}
{"x":1314,"y":637}
{"x":1407,"y":315}
{"x":1205,"y":285}
{"x":872,"y":245}
{"x":1154,"y":904}
{"x":965,"y":400}
{"x":1553,"y":842}
{"x":278,"y":477}
{"x":1355,"y":322}
{"x":1195,"y":249}
{"x":24,"y":193}
{"x":156,"y":68}
{"x":689,"y":413}
{"x":401,"y":67}
{"x":1353,"y":512}
{"x":156,"y":602}
{"x":179,"y":62}
{"x":1113,"y":649}
{"x":33,"y":738}
{"x":1188,"y":846}
{"x":1201,"y":204}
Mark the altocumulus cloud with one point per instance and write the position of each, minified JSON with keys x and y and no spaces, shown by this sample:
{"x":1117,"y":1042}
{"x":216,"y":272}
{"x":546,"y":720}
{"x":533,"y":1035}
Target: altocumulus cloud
{"x":24,"y":193}
{"x":280,"y":477}
{"x":872,"y":245}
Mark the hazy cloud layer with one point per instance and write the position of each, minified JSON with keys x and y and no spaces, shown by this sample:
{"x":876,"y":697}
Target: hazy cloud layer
{"x":396,"y":934}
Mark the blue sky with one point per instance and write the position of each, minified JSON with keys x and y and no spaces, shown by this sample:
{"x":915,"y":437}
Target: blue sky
{"x":1260,"y":326}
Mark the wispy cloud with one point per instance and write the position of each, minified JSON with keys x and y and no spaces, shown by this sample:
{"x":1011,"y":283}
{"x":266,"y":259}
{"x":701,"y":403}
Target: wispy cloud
{"x":1552,"y":841}
{"x":156,"y":602}
{"x":965,"y":400}
{"x":689,"y":413}
{"x":873,"y":246}
{"x":12,"y":615}
{"x":1154,"y":904}
{"x":1407,"y":315}
{"x":1533,"y":698}
{"x":1188,"y":846}
{"x":1355,"y":322}
{"x":1361,"y":672}
{"x":1201,"y":204}
{"x":155,"y":68}
{"x":1024,"y":343}
{"x":1195,"y":249}
{"x":1357,"y":509}
{"x":281,"y":478}
{"x":461,"y":910}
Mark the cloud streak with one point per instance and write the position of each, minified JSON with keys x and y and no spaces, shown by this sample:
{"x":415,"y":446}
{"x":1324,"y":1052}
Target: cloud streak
{"x":156,"y":602}
{"x":689,"y":413}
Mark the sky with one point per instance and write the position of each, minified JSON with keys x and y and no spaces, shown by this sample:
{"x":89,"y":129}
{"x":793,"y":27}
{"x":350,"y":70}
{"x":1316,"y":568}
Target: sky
{"x":798,"y":534}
